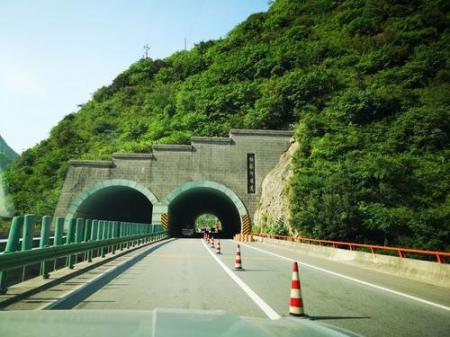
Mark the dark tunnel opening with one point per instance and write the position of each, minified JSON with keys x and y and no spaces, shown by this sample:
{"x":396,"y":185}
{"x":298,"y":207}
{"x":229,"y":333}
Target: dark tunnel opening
{"x":119,"y":203}
{"x":189,"y":205}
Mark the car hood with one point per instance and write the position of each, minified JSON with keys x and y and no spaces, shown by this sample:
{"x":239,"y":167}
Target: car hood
{"x":155,"y":323}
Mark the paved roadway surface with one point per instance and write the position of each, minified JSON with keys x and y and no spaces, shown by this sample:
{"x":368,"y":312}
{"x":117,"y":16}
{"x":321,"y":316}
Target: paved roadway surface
{"x":183,"y":274}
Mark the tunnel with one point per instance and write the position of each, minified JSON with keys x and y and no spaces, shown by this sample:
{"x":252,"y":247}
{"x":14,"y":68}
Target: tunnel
{"x":187,"y":206}
{"x":119,"y":203}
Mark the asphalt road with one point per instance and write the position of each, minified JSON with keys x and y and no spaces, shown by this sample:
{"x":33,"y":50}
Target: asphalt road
{"x":184,"y":274}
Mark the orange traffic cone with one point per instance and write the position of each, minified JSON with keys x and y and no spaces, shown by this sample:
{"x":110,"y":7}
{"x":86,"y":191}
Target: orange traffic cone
{"x":296,"y":302}
{"x":218,"y":247}
{"x":237,"y":261}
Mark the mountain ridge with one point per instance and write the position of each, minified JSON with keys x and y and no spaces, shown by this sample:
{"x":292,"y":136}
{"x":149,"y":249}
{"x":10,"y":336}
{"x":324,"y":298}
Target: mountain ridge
{"x":7,"y":155}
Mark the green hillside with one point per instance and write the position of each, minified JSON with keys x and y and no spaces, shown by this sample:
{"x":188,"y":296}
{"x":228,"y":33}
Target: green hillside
{"x":364,"y":83}
{"x":7,"y":154}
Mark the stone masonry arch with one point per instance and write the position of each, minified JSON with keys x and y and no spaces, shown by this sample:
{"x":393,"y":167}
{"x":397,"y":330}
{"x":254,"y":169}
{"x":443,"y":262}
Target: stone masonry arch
{"x":105,"y":184}
{"x":202,"y":186}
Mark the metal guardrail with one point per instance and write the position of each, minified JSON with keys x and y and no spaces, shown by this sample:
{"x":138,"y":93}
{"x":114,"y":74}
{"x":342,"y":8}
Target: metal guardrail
{"x":87,"y":237}
{"x":439,"y":256}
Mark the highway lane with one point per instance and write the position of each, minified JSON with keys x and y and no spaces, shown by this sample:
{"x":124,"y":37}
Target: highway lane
{"x":182,"y":274}
{"x":342,"y":302}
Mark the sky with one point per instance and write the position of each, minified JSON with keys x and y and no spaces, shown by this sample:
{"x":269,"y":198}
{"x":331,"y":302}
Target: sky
{"x":55,"y":54}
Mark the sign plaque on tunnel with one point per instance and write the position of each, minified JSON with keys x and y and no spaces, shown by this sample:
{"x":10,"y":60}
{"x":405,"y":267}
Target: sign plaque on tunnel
{"x":251,"y":173}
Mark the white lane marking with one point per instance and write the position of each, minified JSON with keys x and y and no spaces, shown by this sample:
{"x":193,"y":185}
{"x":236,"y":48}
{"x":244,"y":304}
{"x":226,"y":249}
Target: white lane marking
{"x":414,"y":298}
{"x":272,"y":314}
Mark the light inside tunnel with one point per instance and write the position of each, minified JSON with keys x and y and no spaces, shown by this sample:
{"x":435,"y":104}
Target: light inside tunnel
{"x":207,"y":220}
{"x":190,"y":204}
{"x":119,"y":203}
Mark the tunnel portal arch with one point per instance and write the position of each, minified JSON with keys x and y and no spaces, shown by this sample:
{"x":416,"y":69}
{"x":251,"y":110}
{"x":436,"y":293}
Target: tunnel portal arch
{"x":114,"y":199}
{"x":186,"y":202}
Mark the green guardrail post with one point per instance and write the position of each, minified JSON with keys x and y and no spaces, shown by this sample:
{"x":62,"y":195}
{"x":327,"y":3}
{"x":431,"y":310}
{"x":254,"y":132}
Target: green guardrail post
{"x":27,"y":236}
{"x":108,"y":235}
{"x":70,"y":238}
{"x":11,"y":246}
{"x":100,"y":236}
{"x":59,"y":229}
{"x":104,"y":236}
{"x":58,"y":239}
{"x":79,"y":234}
{"x":127,"y":234}
{"x":13,"y":243}
{"x":121,"y":233}
{"x":87,"y":230}
{"x":79,"y":230}
{"x":87,"y":235}
{"x":145,"y":232}
{"x":94,"y":231}
{"x":114,"y":228}
{"x":43,"y":242}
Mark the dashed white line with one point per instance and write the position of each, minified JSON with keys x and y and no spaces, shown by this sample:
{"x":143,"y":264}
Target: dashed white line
{"x":411,"y":297}
{"x":272,"y":314}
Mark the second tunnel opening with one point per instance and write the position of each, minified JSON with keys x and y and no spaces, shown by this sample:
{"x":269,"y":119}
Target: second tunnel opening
{"x":190,"y":204}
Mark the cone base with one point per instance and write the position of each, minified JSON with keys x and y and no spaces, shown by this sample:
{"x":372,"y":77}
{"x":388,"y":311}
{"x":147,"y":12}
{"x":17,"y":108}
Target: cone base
{"x":297,"y":315}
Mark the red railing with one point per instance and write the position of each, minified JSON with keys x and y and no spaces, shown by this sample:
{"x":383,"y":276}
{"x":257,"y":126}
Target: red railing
{"x":440,"y":256}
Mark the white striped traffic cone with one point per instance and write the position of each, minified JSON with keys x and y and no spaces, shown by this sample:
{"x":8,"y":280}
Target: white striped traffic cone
{"x":237,"y":261}
{"x":212,"y":242}
{"x":296,"y":302}
{"x":218,"y":247}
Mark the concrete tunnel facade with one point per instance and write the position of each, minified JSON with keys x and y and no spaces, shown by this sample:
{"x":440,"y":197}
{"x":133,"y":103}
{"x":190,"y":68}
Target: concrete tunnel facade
{"x":174,"y":184}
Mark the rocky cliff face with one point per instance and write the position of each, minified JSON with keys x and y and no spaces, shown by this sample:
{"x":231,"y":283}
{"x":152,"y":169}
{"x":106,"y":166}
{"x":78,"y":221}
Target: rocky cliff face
{"x":272,"y":214}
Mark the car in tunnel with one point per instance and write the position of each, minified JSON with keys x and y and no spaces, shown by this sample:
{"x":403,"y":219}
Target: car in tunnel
{"x":187,"y":230}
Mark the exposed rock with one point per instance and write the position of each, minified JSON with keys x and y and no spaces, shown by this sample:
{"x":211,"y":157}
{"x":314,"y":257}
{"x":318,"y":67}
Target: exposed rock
{"x":273,"y":211}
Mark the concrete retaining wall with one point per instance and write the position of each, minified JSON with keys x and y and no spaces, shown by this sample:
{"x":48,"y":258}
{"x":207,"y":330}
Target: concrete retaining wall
{"x":423,"y":271}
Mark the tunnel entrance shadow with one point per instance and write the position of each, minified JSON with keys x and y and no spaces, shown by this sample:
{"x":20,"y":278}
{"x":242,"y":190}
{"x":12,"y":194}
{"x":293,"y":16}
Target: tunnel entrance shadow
{"x":190,"y":204}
